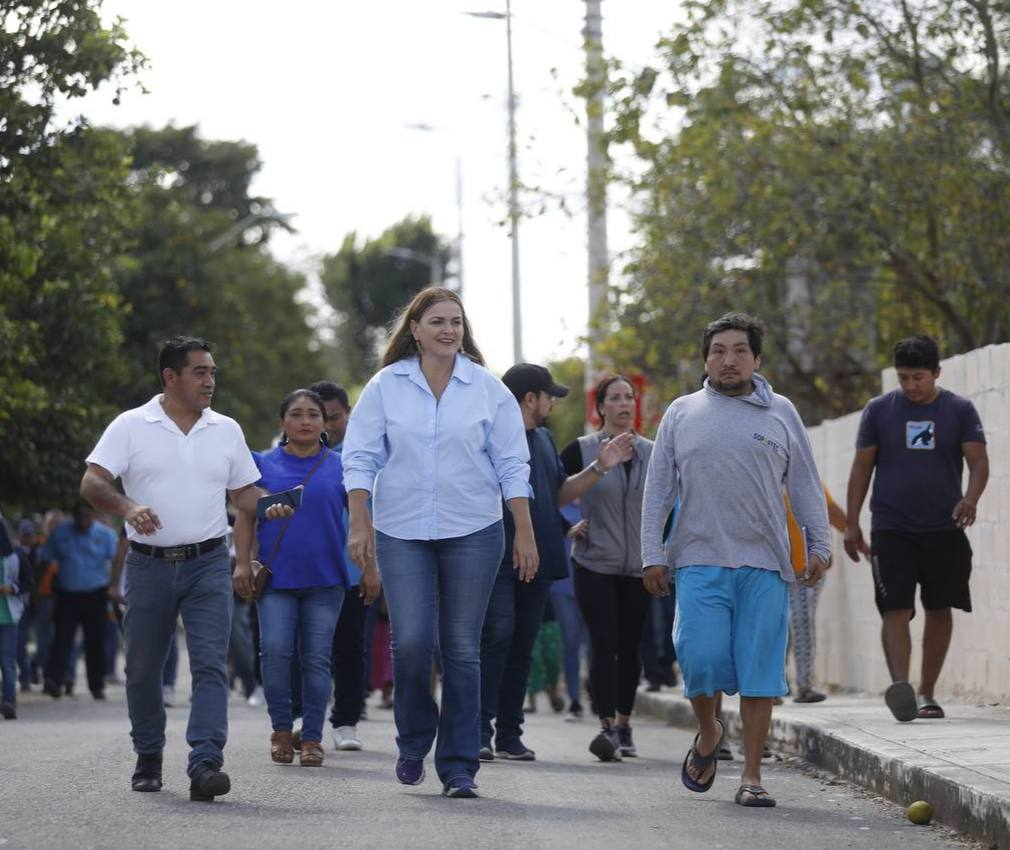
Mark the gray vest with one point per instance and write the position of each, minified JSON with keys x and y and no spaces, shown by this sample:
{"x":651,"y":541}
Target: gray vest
{"x":614,"y":510}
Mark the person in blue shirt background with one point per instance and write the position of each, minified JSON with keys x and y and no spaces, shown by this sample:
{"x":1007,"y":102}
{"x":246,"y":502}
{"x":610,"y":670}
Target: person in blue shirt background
{"x":83,"y":550}
{"x":437,"y":440}
{"x":308,"y":575}
{"x":349,"y":638}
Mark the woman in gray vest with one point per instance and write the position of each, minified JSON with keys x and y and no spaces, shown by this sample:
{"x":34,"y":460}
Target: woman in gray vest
{"x":608,"y":567}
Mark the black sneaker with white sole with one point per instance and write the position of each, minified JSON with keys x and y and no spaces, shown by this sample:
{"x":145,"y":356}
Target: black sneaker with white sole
{"x":624,"y":742}
{"x":514,"y":751}
{"x":606,"y":746}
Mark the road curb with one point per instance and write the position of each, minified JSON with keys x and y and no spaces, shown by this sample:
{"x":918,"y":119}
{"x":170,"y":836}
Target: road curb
{"x":969,"y":810}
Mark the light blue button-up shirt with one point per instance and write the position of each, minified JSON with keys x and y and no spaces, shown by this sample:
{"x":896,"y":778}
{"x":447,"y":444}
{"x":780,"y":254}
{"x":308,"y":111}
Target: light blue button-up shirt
{"x":436,"y":469}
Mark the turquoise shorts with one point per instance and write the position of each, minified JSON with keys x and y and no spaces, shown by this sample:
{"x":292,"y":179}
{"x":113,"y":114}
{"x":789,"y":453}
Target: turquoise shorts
{"x":731,"y":630}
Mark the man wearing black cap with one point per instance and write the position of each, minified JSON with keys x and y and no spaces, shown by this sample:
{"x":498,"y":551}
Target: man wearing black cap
{"x":516,"y":609}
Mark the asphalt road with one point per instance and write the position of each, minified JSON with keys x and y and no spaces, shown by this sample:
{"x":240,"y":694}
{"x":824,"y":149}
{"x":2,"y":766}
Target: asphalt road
{"x":65,"y":783}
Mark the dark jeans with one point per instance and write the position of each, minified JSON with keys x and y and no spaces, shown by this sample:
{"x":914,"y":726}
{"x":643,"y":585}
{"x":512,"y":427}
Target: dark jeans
{"x":614,"y":608}
{"x":240,"y":647}
{"x":569,"y":617}
{"x":157,"y":592}
{"x":513,"y":618}
{"x":443,"y":586}
{"x":658,"y":653}
{"x":24,"y":662}
{"x":87,"y":610}
{"x":349,"y":661}
{"x":8,"y":661}
{"x":44,"y":607}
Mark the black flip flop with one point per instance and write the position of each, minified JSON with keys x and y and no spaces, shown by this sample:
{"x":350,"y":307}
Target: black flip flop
{"x":929,"y":709}
{"x":701,"y":763}
{"x":759,"y":798}
{"x":900,"y":698}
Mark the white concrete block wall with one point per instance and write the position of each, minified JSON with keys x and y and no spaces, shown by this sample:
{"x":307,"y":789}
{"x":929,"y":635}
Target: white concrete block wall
{"x":849,"y":654}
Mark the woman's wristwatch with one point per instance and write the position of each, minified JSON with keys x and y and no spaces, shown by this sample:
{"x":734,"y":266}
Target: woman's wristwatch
{"x":599,"y":470}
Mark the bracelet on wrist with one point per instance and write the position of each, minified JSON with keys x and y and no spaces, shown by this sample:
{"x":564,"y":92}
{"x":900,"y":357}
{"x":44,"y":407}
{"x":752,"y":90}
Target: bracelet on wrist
{"x":599,"y":470}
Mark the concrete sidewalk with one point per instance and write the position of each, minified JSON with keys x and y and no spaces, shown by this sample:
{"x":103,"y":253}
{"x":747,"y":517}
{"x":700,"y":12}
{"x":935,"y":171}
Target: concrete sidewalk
{"x":961,"y":764}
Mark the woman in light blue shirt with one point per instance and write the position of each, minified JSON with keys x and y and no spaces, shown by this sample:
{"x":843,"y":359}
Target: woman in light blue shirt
{"x":436,"y":440}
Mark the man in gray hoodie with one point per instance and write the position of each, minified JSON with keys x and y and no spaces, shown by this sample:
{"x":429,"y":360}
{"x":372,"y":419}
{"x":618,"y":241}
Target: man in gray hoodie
{"x":731,"y":453}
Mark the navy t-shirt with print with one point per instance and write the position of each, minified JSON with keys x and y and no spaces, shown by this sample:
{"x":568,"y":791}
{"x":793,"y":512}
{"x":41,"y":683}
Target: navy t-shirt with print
{"x":919,"y":458}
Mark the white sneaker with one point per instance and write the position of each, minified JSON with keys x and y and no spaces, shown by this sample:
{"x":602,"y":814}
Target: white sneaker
{"x":256,"y":698}
{"x":346,"y":738}
{"x":168,"y":696}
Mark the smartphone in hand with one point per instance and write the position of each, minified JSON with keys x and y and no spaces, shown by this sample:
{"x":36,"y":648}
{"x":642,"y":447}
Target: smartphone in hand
{"x":292,"y":497}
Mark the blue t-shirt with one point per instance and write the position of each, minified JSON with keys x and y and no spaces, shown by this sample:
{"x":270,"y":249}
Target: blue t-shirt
{"x":919,"y":458}
{"x":547,"y":474}
{"x":84,"y":557}
{"x":312,"y":551}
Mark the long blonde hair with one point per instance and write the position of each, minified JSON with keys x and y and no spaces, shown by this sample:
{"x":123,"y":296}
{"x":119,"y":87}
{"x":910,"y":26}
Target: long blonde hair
{"x":402,"y":345}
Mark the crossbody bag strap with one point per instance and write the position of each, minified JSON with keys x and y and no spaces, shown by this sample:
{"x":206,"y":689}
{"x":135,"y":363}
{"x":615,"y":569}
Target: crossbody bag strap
{"x":304,"y":483}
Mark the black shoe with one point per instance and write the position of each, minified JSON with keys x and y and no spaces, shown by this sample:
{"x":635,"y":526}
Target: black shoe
{"x":99,"y":695}
{"x":52,"y":688}
{"x":68,"y":689}
{"x":147,"y":775}
{"x":606,"y":746}
{"x":8,"y":711}
{"x":208,"y":782}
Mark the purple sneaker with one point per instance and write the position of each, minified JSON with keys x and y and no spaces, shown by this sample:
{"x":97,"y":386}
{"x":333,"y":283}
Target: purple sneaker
{"x":410,"y":771}
{"x":460,"y":786}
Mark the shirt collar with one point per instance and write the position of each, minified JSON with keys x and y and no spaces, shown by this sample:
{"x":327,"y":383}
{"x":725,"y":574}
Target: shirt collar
{"x":154,"y":412}
{"x":411,"y":366}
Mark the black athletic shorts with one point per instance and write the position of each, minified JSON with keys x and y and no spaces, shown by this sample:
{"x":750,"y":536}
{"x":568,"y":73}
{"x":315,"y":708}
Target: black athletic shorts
{"x":938,"y":561}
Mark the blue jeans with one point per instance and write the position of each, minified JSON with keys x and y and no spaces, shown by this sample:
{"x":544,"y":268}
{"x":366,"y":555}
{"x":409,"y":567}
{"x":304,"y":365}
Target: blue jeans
{"x":513,"y":619}
{"x":443,"y":583}
{"x":8,"y":661}
{"x":157,"y":592}
{"x":573,"y":635}
{"x":310,"y":614}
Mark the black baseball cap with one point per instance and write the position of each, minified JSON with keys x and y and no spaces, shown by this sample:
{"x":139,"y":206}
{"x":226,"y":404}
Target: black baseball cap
{"x":529,"y":378}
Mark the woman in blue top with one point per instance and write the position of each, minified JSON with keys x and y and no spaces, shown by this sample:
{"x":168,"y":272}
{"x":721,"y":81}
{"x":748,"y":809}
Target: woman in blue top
{"x":437,"y":440}
{"x":302,"y":599}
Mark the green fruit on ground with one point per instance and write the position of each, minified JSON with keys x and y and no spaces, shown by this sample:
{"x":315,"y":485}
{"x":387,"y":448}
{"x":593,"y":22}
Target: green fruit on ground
{"x":920,"y":812}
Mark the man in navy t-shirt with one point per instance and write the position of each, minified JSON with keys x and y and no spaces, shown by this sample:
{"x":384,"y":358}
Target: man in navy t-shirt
{"x":918,"y":438}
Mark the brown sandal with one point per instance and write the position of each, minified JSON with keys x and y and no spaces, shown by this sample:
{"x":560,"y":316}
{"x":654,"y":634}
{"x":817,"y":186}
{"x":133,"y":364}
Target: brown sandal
{"x":281,"y":750}
{"x":311,"y":754}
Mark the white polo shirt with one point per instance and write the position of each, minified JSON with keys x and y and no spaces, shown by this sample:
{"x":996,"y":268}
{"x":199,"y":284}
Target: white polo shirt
{"x":182,"y":477}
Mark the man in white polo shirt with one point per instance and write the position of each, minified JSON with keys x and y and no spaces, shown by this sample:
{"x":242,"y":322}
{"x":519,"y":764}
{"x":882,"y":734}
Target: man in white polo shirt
{"x":177,"y":459}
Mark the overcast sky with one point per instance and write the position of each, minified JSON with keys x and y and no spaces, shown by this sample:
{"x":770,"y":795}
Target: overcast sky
{"x":326,"y":91}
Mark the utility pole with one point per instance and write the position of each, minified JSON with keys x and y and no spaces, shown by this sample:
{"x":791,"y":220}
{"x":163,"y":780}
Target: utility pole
{"x":596,"y":179}
{"x":517,"y":320}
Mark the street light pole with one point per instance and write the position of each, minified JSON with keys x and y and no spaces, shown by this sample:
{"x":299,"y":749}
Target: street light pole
{"x":513,"y":195}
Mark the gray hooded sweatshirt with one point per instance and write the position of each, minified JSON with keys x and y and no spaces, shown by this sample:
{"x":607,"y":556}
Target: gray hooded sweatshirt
{"x":729,"y":460}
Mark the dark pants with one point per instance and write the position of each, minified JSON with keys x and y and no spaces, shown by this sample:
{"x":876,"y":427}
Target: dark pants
{"x":240,"y":647}
{"x":157,"y":592}
{"x":349,"y":661}
{"x":513,"y":619}
{"x":614,"y":608}
{"x":657,"y":649}
{"x":87,"y":610}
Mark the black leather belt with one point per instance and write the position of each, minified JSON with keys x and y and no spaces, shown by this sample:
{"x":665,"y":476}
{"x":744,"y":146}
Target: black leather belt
{"x":177,"y":553}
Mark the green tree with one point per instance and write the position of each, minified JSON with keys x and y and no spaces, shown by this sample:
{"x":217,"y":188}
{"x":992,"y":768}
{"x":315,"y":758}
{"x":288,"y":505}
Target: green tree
{"x":840,"y":168}
{"x":200,"y":266}
{"x":568,"y":418}
{"x":368,"y":283}
{"x":63,"y":209}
